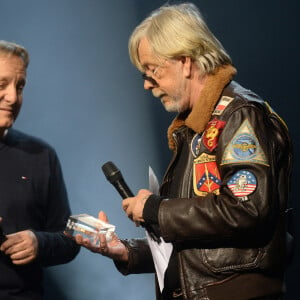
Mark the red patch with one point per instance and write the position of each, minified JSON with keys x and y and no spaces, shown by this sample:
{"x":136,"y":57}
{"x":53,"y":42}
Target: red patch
{"x":212,"y":132}
{"x":206,"y":176}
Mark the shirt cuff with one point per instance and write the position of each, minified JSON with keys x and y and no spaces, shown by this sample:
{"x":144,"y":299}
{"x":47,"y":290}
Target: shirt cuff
{"x":150,"y":212}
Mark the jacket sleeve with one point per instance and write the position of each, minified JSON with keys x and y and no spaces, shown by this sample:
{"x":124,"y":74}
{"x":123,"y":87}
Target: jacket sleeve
{"x":54,"y":247}
{"x":140,"y":258}
{"x":249,"y":144}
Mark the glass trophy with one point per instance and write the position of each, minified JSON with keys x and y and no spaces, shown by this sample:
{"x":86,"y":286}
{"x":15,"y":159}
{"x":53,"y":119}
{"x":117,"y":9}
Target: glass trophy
{"x":89,"y":227}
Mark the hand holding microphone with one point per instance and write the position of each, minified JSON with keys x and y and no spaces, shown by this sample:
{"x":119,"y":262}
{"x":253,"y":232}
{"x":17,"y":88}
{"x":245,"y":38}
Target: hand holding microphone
{"x":133,"y":206}
{"x":114,"y":176}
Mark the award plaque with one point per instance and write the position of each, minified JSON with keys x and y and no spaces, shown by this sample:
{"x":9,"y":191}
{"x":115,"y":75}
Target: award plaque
{"x":89,"y":227}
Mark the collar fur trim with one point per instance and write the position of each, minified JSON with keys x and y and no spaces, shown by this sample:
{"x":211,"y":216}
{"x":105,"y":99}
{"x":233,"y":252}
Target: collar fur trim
{"x":200,"y":114}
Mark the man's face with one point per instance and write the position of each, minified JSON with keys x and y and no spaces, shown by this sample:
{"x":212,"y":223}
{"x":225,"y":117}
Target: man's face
{"x":12,"y":82}
{"x":165,"y":78}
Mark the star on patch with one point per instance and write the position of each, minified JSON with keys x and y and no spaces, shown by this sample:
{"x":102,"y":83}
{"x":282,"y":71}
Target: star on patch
{"x":244,"y":147}
{"x":206,"y":176}
{"x":242,"y":184}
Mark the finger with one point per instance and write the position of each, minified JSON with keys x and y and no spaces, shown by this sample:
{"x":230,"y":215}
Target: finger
{"x":23,"y":254}
{"x":127,"y":207}
{"x":21,"y":248}
{"x":87,"y":243}
{"x":78,"y":239}
{"x":103,"y":249}
{"x":125,"y":204}
{"x":102,"y":216}
{"x":68,"y":235}
{"x":23,"y":261}
{"x":143,"y":192}
{"x":102,"y":238}
{"x":11,"y":250}
{"x":11,"y":240}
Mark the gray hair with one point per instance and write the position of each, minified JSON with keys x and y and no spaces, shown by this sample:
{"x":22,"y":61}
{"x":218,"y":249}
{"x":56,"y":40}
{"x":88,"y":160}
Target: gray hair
{"x":14,"y":49}
{"x":179,"y":30}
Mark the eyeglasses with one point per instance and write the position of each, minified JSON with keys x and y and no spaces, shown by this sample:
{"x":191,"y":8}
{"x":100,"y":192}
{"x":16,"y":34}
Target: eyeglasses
{"x":153,"y":73}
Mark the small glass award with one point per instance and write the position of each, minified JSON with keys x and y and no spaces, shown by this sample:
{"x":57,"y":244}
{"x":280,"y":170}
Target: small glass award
{"x":89,"y":227}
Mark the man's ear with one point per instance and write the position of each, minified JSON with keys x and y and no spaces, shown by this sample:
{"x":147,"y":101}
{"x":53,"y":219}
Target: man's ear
{"x":187,"y":65}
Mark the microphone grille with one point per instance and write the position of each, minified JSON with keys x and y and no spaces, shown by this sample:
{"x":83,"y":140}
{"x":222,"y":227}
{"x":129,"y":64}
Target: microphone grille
{"x":111,"y":172}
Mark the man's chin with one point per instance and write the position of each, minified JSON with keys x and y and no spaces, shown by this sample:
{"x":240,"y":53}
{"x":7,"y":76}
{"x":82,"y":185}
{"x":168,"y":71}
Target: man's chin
{"x":169,"y":106}
{"x":6,"y":125}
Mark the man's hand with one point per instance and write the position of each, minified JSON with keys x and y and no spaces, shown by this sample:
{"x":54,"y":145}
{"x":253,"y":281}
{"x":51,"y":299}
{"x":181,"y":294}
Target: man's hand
{"x":134,"y":206}
{"x":22,"y":247}
{"x":113,"y":249}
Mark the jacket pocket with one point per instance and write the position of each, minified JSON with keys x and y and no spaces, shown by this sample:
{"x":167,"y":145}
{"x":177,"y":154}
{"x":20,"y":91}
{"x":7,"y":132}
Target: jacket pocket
{"x":227,"y":259}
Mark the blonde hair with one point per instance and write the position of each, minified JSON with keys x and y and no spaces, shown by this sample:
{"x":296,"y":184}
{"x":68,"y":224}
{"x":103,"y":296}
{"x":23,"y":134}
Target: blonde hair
{"x":179,"y":30}
{"x":14,"y":49}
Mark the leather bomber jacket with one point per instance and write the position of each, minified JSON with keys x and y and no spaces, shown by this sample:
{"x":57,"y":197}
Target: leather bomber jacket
{"x":222,"y":234}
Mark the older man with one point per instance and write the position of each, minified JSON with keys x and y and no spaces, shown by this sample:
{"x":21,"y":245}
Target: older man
{"x":221,"y":209}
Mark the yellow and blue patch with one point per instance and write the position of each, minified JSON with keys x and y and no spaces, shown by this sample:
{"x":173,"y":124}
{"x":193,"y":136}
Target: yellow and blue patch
{"x":244,"y":147}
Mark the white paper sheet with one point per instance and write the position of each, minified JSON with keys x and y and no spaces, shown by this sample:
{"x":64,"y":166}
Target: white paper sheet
{"x":161,"y":252}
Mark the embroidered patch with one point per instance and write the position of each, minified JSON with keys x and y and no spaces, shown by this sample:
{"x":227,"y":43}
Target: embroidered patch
{"x":244,"y":147}
{"x":195,"y":144}
{"x":206,"y":177}
{"x":242,"y":184}
{"x":223,"y":103}
{"x":212,"y":132}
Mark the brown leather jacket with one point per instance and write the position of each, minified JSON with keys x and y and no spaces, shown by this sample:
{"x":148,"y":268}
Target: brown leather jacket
{"x":226,"y":191}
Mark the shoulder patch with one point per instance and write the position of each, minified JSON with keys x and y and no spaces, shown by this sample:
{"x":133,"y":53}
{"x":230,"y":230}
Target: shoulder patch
{"x":195,"y":144}
{"x":206,"y":177}
{"x":244,"y":147}
{"x":242,"y":184}
{"x":223,"y":103}
{"x":212,"y":132}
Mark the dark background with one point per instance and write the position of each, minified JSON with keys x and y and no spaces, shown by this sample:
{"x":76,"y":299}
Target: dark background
{"x":87,"y":100}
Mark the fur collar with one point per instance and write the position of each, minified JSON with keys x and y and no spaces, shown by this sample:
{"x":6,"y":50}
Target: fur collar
{"x":200,"y":115}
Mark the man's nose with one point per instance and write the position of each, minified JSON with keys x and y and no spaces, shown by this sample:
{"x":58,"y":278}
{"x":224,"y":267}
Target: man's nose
{"x":11,"y":94}
{"x":149,"y":83}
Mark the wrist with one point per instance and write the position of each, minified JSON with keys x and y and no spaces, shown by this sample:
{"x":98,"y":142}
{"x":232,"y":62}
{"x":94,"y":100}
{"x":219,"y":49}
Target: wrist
{"x":151,"y":208}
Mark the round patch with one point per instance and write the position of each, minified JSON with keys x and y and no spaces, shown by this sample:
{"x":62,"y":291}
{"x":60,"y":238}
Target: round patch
{"x":242,"y":184}
{"x":195,"y":145}
{"x":244,"y":146}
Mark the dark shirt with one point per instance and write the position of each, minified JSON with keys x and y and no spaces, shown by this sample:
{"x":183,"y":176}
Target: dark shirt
{"x":32,"y":196}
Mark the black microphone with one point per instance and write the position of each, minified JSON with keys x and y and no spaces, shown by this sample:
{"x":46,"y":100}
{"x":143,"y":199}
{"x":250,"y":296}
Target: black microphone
{"x":114,"y":176}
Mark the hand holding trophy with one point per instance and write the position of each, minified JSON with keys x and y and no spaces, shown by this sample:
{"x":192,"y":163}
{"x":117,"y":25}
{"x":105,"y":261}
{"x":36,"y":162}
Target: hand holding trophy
{"x":97,"y":235}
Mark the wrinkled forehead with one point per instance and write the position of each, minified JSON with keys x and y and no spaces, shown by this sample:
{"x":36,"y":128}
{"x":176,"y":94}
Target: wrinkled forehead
{"x":146,"y":54}
{"x":12,"y":57}
{"x":12,"y":66}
